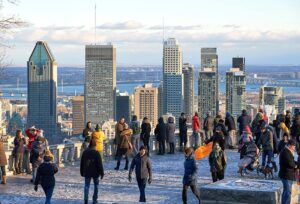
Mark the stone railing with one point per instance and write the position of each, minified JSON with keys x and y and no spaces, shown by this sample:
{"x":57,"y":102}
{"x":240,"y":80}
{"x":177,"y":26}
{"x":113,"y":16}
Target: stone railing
{"x":69,"y":153}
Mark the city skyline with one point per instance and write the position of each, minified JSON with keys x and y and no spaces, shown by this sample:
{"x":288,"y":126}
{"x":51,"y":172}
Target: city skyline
{"x":263,"y":36}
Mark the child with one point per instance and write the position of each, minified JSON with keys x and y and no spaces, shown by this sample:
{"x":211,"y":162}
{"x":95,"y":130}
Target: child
{"x":217,"y":162}
{"x":45,"y":176}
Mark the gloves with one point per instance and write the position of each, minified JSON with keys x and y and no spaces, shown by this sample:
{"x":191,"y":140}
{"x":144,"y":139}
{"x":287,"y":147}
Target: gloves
{"x":35,"y":187}
{"x":129,"y":178}
{"x":102,"y":176}
{"x":149,"y":180}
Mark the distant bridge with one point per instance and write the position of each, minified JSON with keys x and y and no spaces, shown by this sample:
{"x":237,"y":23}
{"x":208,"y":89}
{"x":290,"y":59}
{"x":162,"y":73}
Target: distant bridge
{"x":273,"y":82}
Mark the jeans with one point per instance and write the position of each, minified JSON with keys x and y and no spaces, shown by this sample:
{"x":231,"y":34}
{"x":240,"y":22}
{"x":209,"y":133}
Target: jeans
{"x":270,"y":155}
{"x":27,"y":160}
{"x":196,"y":137}
{"x":48,"y":192}
{"x":87,"y":187}
{"x":194,"y":190}
{"x":34,"y":171}
{"x":287,"y":191}
{"x":135,"y":141}
{"x":142,"y":186}
{"x":19,"y":162}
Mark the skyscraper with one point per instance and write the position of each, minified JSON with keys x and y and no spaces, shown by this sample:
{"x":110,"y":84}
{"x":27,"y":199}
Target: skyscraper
{"x":208,"y":83}
{"x":100,"y":83}
{"x":145,"y":104}
{"x":172,"y":78}
{"x":42,"y":90}
{"x":160,"y":101}
{"x":78,"y":115}
{"x":272,"y":96}
{"x":235,"y":91}
{"x":239,"y":62}
{"x":188,"y":84}
{"x":122,"y":106}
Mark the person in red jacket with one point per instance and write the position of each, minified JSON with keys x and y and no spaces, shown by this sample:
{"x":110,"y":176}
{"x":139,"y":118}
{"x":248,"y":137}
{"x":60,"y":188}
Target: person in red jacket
{"x":265,"y":117}
{"x":31,"y":134}
{"x":196,"y":130}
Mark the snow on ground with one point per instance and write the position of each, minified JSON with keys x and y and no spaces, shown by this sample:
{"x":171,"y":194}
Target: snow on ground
{"x":166,"y":186}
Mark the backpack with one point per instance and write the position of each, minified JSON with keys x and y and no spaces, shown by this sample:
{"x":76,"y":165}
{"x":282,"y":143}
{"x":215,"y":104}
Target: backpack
{"x":135,"y":128}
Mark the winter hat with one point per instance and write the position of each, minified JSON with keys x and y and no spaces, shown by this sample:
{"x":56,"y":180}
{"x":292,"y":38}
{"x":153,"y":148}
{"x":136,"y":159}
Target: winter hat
{"x":97,"y":127}
{"x":247,"y":129}
{"x":188,"y":151}
{"x":48,"y":156}
{"x":227,"y":114}
{"x":40,"y":133}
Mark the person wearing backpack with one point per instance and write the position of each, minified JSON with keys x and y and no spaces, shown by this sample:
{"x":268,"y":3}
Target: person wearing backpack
{"x":136,"y":130}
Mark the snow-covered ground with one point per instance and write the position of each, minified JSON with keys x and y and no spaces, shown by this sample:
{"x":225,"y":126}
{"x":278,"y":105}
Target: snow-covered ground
{"x":166,"y":186}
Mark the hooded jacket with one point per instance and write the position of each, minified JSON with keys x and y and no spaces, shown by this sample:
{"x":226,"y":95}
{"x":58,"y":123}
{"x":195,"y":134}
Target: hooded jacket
{"x":160,"y":130}
{"x":196,"y":123}
{"x":244,"y":120}
{"x":171,"y":130}
{"x":229,"y":122}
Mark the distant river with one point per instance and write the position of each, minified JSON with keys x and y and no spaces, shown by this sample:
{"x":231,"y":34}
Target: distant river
{"x":11,"y":92}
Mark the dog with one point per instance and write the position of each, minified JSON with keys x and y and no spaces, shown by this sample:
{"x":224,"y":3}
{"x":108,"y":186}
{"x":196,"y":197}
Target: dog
{"x":267,"y":171}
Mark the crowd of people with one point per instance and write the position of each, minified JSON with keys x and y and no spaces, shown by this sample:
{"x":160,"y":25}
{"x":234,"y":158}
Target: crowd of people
{"x":252,"y":139}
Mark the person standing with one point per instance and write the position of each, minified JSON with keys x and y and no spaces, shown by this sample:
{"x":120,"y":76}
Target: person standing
{"x":196,"y":130}
{"x":218,"y":137}
{"x":91,"y":168}
{"x":145,"y":134}
{"x":136,"y":130}
{"x":120,"y":126}
{"x":256,"y":126}
{"x":45,"y":176}
{"x":3,"y":163}
{"x":182,"y":131}
{"x":19,"y":143}
{"x":190,"y":175}
{"x":99,"y":136}
{"x":244,"y":120}
{"x":217,"y":118}
{"x":143,"y":171}
{"x":171,"y":135}
{"x":36,"y":155}
{"x":161,"y":133}
{"x":208,"y":126}
{"x":287,"y":168}
{"x":124,"y":147}
{"x":217,"y":163}
{"x":288,"y":119}
{"x":231,"y":127}
{"x":31,"y":134}
{"x":282,"y":144}
{"x":87,"y":135}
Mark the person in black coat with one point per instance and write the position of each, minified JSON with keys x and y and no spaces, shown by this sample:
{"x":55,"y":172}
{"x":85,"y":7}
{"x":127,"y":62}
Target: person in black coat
{"x":190,"y":175}
{"x":87,"y":135}
{"x":45,"y":176}
{"x":182,"y":131}
{"x":161,"y":134}
{"x":218,"y":137}
{"x":91,"y":168}
{"x":244,"y":120}
{"x":283,"y":142}
{"x":143,"y":171}
{"x":145,"y":133}
{"x":287,"y":170}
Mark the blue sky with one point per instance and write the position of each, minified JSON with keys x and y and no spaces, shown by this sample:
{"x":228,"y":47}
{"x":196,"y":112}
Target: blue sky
{"x":263,"y":31}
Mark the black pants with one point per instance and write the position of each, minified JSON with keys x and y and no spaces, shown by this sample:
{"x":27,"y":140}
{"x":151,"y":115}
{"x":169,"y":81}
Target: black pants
{"x":120,"y":153}
{"x":3,"y":171}
{"x":142,"y":186}
{"x":194,"y":190}
{"x":161,"y":147}
{"x":172,"y":148}
{"x":183,"y":137}
{"x":146,"y":143}
{"x":217,"y":175}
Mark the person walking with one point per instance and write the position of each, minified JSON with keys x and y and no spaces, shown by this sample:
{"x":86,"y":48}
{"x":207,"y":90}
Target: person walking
{"x":171,"y":134}
{"x":196,"y":130}
{"x":87,"y":135}
{"x":45,"y":176}
{"x":145,"y":133}
{"x":190,"y":175}
{"x":36,"y":155}
{"x":18,"y":151}
{"x":182,"y":131}
{"x":143,"y":171}
{"x":231,"y":128}
{"x":217,"y":163}
{"x":208,"y":126}
{"x":124,"y":147}
{"x":136,"y":130}
{"x":161,"y":133}
{"x":99,"y":136}
{"x":3,"y":163}
{"x":287,"y":168}
{"x":91,"y":168}
{"x":244,"y":120}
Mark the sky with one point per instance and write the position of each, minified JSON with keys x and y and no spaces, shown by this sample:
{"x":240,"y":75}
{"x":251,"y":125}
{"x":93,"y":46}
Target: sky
{"x":265,"y":32}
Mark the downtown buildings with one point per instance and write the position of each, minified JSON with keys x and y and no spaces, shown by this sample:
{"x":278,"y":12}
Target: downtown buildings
{"x":42,"y":90}
{"x":78,"y":115}
{"x":100,"y":83}
{"x":188,"y":89}
{"x":272,"y":97}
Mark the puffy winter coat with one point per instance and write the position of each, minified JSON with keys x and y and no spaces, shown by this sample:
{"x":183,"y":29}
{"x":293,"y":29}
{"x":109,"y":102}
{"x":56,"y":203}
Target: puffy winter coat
{"x":160,"y":130}
{"x":37,"y":153}
{"x":99,"y":136}
{"x":217,"y":160}
{"x":182,"y":124}
{"x":230,"y":123}
{"x":142,"y":167}
{"x":146,"y":129}
{"x":3,"y":159}
{"x":208,"y":124}
{"x":31,"y":138}
{"x":266,"y":140}
{"x":91,"y":164}
{"x":171,"y":131}
{"x":244,"y":120}
{"x":118,"y":129}
{"x":287,"y":165}
{"x":125,"y":139}
{"x":196,"y":123}
{"x":190,"y":171}
{"x":45,"y":175}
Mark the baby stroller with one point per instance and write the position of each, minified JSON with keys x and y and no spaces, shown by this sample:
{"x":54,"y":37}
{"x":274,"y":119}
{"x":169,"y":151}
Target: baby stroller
{"x":250,"y":161}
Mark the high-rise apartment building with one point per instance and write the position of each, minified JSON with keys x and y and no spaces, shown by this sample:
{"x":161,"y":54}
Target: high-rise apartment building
{"x":42,"y":90}
{"x":209,"y":59}
{"x":239,"y":62}
{"x":100,"y":83}
{"x":273,"y":96}
{"x":160,"y":100}
{"x":188,"y":87}
{"x":145,"y":103}
{"x":235,"y":91}
{"x":123,"y":106}
{"x":78,"y":115}
{"x":172,"y":78}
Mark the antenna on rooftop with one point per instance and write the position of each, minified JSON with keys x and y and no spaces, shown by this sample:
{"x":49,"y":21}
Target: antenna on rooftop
{"x":95,"y":24}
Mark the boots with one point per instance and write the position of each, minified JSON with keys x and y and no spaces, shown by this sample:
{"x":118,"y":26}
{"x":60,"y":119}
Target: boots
{"x":3,"y":180}
{"x":85,"y":201}
{"x":118,"y":166}
{"x":126,"y":165}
